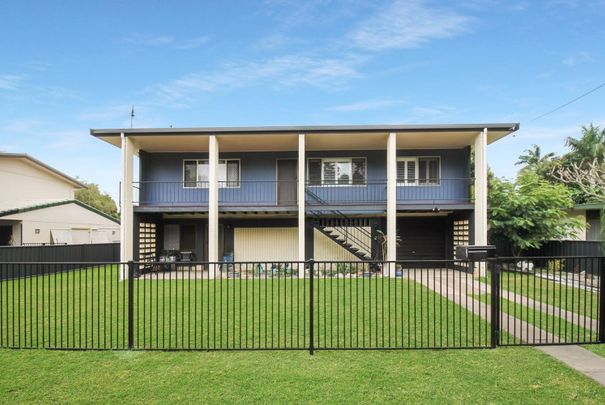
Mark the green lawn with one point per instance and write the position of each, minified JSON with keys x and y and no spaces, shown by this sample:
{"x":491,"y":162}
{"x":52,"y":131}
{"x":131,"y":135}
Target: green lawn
{"x":597,"y":348}
{"x":573,"y":299}
{"x":537,"y":319}
{"x":504,"y":375}
{"x":87,"y":308}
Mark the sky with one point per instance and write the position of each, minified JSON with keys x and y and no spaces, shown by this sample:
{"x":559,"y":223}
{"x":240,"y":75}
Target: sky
{"x":66,"y":67}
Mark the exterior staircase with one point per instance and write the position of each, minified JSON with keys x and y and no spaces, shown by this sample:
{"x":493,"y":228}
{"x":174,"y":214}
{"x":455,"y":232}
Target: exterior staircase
{"x":354,"y":234}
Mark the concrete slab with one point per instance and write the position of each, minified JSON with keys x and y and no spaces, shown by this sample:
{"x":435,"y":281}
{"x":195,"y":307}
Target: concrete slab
{"x":580,"y":359}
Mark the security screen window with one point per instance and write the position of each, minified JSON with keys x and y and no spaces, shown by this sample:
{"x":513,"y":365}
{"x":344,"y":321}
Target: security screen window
{"x":195,"y":173}
{"x":413,"y":171}
{"x":336,"y":171}
{"x":190,"y":173}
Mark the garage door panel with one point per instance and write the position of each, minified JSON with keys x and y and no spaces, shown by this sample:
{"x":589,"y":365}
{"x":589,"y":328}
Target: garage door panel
{"x":421,"y":238}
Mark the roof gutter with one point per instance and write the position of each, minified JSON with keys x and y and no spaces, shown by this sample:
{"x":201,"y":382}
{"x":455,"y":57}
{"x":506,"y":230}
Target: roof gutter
{"x":276,"y":130}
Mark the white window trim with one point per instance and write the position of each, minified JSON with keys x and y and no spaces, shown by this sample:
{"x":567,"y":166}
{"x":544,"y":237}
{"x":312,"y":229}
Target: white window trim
{"x":416,"y":182}
{"x":204,"y":184}
{"x":350,"y":159}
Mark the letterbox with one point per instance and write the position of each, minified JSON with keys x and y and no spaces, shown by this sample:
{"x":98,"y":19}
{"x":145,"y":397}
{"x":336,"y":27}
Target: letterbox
{"x":475,"y":252}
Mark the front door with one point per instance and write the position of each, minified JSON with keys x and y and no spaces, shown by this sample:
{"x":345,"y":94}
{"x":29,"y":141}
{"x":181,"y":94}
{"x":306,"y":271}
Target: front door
{"x":6,"y":235}
{"x":287,"y":175}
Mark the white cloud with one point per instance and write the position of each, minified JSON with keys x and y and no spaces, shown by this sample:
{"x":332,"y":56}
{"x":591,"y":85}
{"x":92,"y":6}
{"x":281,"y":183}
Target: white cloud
{"x":407,"y":24}
{"x":20,"y":126}
{"x":578,"y":58}
{"x":366,"y":105}
{"x":284,"y":71}
{"x":10,"y":82}
{"x":191,"y":43}
{"x":107,"y":113}
{"x":431,"y":113}
{"x":166,"y":41}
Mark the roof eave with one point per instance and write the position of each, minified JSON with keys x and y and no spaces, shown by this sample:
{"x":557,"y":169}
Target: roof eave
{"x":112,"y":132}
{"x":56,"y":172}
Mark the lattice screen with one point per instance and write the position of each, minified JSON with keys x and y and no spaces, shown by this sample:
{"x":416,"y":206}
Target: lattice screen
{"x":147,"y":248}
{"x":461,"y":233}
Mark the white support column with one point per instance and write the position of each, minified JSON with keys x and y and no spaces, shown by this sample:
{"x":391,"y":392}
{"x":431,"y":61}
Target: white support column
{"x":213,"y":190}
{"x":392,"y":201}
{"x":480,"y":226}
{"x":480,"y":149}
{"x":301,"y":201}
{"x":126,"y":209}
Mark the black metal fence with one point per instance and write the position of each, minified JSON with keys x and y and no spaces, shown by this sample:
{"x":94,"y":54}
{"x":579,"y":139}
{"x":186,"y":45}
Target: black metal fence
{"x":299,"y":305}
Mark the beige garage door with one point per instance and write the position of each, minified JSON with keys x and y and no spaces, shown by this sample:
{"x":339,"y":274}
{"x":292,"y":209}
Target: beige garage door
{"x":265,"y":244}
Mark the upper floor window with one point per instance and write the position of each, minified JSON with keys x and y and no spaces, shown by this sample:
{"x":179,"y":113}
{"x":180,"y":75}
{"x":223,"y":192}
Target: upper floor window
{"x":336,"y":171}
{"x":195,"y":173}
{"x":413,"y":171}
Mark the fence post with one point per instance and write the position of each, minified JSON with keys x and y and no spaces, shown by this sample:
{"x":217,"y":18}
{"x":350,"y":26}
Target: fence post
{"x":130,"y":265}
{"x":601,"y":300}
{"x":495,"y":302}
{"x":311,"y":264}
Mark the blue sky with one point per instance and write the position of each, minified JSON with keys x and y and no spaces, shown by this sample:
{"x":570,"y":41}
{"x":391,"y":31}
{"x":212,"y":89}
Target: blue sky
{"x":66,"y":67}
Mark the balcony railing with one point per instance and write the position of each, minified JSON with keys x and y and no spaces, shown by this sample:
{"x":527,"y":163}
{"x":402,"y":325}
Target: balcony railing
{"x":363,"y":193}
{"x":416,"y":192}
{"x":231,"y":193}
{"x":435,"y":191}
{"x":261,"y":193}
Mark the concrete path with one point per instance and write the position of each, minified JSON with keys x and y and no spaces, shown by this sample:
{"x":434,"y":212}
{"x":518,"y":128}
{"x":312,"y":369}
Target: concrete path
{"x":572,"y":317}
{"x":580,"y":359}
{"x":459,"y":287}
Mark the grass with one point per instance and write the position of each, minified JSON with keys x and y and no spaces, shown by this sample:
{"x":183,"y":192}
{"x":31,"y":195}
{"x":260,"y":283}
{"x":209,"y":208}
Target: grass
{"x":87,"y":308}
{"x":597,"y":349}
{"x":539,"y":320}
{"x":504,"y":375}
{"x":571,"y":299}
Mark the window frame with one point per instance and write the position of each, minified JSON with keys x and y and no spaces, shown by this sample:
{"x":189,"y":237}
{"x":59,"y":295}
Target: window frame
{"x":351,"y":183}
{"x":417,"y":181}
{"x":205,"y":184}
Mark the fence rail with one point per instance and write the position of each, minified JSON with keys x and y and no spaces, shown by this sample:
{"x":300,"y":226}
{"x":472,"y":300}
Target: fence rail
{"x":313,"y":305}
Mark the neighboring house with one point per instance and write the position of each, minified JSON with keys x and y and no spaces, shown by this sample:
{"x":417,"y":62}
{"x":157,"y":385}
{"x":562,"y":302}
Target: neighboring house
{"x":296,"y":193}
{"x":37,"y":206}
{"x":590,"y":214}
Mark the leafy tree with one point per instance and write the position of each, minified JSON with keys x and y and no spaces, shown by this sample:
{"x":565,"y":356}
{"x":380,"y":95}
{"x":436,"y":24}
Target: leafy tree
{"x":529,"y":211}
{"x":588,"y":180}
{"x":585,"y":152}
{"x":590,"y":146}
{"x":533,"y":157}
{"x":92,"y":196}
{"x":533,"y":160}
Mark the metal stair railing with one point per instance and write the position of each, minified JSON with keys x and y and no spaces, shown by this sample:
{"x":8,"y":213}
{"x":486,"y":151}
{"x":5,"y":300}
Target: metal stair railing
{"x":348,"y":236}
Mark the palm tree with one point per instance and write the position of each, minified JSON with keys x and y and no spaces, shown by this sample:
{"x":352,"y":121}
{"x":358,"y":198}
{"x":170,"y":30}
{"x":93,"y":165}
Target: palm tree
{"x":533,"y":157}
{"x":589,"y":147}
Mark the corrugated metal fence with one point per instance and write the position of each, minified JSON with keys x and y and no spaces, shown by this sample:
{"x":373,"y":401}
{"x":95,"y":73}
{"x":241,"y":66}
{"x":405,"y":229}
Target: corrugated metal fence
{"x":98,"y":252}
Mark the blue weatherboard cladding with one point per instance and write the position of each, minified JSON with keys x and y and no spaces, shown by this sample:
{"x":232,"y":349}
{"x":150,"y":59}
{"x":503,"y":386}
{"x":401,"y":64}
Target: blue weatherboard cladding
{"x":259,"y":167}
{"x":455,"y":178}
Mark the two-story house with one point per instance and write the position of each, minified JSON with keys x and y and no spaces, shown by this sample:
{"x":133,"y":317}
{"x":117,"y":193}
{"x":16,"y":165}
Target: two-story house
{"x":38,"y":206}
{"x":301,"y":192}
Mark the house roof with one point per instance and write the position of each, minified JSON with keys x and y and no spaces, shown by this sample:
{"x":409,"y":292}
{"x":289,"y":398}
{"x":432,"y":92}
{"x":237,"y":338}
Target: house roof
{"x":589,"y":206}
{"x":307,"y":129}
{"x":264,"y":137}
{"x":50,"y":204}
{"x":32,"y":160}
